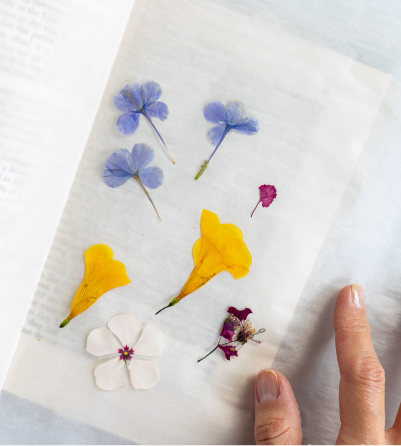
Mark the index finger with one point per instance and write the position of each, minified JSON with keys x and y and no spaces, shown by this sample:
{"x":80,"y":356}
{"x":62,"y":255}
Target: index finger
{"x":362,"y":410}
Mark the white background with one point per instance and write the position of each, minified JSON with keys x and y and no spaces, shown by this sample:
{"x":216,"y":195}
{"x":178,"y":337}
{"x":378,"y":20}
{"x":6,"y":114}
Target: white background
{"x":197,"y":331}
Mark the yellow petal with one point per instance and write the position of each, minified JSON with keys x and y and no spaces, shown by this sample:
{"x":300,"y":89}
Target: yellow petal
{"x":102,"y":274}
{"x":210,"y":223}
{"x":103,"y":270}
{"x":236,"y":256}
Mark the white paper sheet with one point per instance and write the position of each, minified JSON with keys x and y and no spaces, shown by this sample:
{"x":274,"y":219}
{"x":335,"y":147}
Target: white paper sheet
{"x":316,"y":109}
{"x":55,"y":59}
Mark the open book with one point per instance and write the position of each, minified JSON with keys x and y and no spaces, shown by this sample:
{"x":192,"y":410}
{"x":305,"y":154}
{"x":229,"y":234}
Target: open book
{"x":61,"y":66}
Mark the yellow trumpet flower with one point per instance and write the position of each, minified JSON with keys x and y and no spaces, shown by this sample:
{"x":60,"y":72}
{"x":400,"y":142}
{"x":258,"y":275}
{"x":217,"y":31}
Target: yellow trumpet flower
{"x":102,"y":274}
{"x":221,"y":248}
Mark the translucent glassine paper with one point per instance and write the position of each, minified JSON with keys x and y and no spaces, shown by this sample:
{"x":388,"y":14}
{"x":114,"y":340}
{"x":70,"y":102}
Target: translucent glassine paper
{"x":315,"y":109}
{"x":47,"y":106}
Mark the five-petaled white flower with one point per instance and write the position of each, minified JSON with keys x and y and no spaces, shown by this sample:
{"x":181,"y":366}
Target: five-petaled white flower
{"x":144,"y":373}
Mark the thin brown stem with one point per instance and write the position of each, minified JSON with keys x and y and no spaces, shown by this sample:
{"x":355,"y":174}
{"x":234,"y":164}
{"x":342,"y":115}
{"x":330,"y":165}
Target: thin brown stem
{"x":217,"y":346}
{"x":256,"y":207}
{"x":169,"y":305}
{"x":146,"y":192}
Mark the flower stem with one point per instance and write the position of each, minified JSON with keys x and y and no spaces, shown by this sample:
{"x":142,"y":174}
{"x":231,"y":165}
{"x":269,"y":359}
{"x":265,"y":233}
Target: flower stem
{"x":171,"y":304}
{"x":221,"y":140}
{"x":146,"y":192}
{"x":158,"y":134}
{"x":256,"y":207}
{"x":217,"y":346}
{"x":204,"y":166}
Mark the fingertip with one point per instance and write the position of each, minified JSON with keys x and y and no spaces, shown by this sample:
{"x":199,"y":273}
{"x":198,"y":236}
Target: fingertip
{"x":267,"y":386}
{"x":350,"y":302}
{"x":275,"y":385}
{"x":345,"y":291}
{"x":277,"y":417}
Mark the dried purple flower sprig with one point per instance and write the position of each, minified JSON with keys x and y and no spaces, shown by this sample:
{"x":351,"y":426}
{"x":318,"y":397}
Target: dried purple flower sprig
{"x":230,"y":117}
{"x":136,"y":100}
{"x":238,"y":331}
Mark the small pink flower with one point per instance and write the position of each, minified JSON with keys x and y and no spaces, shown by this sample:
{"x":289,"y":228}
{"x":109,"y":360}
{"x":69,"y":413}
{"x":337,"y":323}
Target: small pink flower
{"x":238,"y":331}
{"x":267,"y":195}
{"x":144,"y":374}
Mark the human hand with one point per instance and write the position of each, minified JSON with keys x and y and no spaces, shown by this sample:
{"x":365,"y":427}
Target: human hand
{"x":361,"y":393}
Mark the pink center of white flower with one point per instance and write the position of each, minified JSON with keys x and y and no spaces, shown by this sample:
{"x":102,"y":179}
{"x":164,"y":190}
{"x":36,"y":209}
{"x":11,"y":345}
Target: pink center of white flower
{"x":126,"y":353}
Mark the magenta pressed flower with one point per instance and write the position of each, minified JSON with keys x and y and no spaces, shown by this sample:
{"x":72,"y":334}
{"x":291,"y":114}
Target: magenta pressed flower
{"x":267,"y":194}
{"x":238,"y":331}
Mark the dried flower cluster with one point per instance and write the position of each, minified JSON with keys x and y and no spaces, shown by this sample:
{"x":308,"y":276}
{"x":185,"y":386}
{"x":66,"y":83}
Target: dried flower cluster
{"x":237,"y":330}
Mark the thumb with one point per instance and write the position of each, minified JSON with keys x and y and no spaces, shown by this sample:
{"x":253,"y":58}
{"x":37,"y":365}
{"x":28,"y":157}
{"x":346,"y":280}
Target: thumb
{"x":277,"y":417}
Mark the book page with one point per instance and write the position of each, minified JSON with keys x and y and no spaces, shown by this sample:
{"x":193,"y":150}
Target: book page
{"x":316,"y":109}
{"x":55,"y":59}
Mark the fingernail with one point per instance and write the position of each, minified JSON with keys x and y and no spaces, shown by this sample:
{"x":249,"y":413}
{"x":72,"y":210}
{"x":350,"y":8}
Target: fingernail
{"x":267,"y":386}
{"x":357,"y":295}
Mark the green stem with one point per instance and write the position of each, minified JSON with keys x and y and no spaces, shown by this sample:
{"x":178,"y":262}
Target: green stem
{"x":203,"y":168}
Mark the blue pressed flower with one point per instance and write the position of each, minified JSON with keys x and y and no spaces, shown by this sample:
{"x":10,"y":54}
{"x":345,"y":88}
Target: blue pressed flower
{"x":123,"y":165}
{"x":136,"y":99}
{"x":231,"y":117}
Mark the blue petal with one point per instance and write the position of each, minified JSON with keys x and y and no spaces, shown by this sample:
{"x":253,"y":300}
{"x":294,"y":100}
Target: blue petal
{"x":157,"y":109}
{"x":215,"y":112}
{"x":122,"y":103}
{"x":129,"y":98}
{"x":151,"y":91}
{"x":119,"y":168}
{"x":248,"y":125}
{"x":142,"y":156}
{"x":128,"y":123}
{"x":151,"y":177}
{"x":114,"y":181}
{"x":215,"y":133}
{"x":235,"y":112}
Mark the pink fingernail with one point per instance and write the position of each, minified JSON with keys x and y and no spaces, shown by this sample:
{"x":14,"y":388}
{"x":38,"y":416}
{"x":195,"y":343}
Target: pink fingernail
{"x":357,"y":295}
{"x":267,"y":386}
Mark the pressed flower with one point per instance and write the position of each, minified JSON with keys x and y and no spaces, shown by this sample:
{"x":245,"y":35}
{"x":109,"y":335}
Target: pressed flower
{"x":228,"y":350}
{"x":238,"y":331}
{"x":136,"y":100}
{"x":144,"y":374}
{"x":123,"y":165}
{"x":231,"y":117}
{"x":267,"y":194}
{"x":102,"y":274}
{"x":221,"y":248}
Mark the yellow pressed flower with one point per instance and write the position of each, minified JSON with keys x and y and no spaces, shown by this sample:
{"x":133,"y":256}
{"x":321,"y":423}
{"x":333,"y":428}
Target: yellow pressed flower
{"x":221,"y":248}
{"x":101,"y":275}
